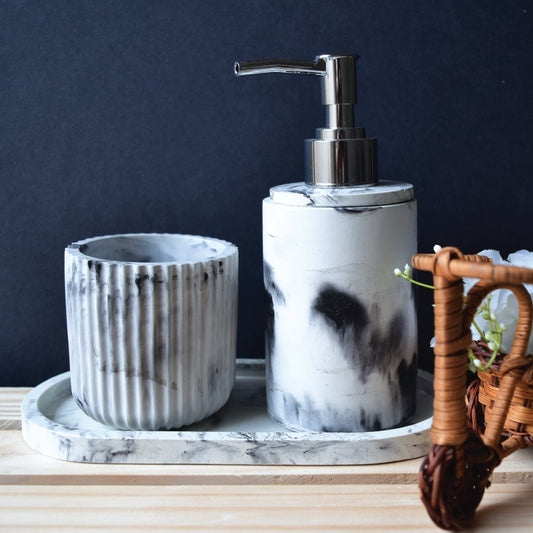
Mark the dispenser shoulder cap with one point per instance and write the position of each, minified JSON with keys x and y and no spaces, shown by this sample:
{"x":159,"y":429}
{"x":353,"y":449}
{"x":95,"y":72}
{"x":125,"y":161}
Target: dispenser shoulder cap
{"x":383,"y":193}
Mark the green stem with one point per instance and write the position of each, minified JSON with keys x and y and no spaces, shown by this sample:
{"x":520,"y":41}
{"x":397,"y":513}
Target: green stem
{"x":489,"y":362}
{"x":419,"y":283}
{"x":479,"y":330}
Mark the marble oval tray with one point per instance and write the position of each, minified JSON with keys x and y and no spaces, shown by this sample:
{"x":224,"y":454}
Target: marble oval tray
{"x":240,"y":433}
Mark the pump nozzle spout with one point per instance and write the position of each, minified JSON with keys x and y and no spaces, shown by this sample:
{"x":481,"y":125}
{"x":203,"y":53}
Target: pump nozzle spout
{"x":283,"y":66}
{"x":341,"y":155}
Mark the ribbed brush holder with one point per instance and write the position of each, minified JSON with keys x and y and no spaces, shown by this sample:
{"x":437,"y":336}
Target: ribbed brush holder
{"x":152,"y":322}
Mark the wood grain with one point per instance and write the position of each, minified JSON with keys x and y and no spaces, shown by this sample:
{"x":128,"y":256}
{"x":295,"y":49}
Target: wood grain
{"x":38,"y":493}
{"x":373,"y":507}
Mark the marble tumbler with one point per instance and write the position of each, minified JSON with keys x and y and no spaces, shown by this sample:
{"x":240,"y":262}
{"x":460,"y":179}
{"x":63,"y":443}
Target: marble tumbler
{"x":152,"y":321}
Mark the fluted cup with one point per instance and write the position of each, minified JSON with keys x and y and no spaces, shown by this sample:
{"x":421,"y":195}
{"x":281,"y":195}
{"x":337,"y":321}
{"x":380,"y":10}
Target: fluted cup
{"x":152,"y":322}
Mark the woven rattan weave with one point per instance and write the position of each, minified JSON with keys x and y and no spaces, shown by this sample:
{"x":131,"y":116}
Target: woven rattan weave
{"x":473,"y":432}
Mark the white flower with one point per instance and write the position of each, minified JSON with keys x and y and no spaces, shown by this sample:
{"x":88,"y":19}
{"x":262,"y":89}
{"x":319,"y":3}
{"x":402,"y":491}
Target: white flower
{"x":503,"y":304}
{"x":522,"y":258}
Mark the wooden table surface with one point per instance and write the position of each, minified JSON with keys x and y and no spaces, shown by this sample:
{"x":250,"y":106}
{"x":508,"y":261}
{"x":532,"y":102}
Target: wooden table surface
{"x":38,"y":493}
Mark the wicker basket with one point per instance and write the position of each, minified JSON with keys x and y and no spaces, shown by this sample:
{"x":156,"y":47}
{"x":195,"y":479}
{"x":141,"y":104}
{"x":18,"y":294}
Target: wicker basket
{"x":482,"y":394}
{"x":471,"y":438}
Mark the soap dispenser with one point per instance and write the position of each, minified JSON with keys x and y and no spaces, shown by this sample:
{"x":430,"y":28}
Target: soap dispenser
{"x":341,"y":331}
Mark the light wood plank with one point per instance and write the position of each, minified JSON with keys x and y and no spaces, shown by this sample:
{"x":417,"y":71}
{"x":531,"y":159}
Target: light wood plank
{"x":10,"y":401}
{"x":251,"y":508}
{"x":38,"y":493}
{"x":216,"y":508}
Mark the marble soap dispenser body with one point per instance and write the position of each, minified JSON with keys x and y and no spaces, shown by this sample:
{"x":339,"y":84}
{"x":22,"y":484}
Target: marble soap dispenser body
{"x":341,"y":328}
{"x":341,"y":332}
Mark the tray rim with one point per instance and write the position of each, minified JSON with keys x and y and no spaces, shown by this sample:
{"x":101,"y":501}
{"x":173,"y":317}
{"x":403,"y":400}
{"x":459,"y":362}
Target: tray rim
{"x":35,"y":422}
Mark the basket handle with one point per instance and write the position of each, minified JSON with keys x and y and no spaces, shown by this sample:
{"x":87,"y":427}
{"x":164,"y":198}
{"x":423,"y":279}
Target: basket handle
{"x":452,"y":264}
{"x":453,"y":317}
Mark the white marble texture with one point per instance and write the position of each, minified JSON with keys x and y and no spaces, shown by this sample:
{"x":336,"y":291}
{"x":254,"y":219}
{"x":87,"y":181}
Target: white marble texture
{"x":240,"y":433}
{"x":341,"y":339}
{"x":385,"y":192}
{"x":152,"y":322}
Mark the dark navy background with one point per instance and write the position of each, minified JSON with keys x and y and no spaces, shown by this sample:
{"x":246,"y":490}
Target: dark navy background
{"x":125,"y":116}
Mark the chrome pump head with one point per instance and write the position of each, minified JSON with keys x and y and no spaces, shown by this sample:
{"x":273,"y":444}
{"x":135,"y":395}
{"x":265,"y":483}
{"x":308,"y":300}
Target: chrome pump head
{"x":341,"y":155}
